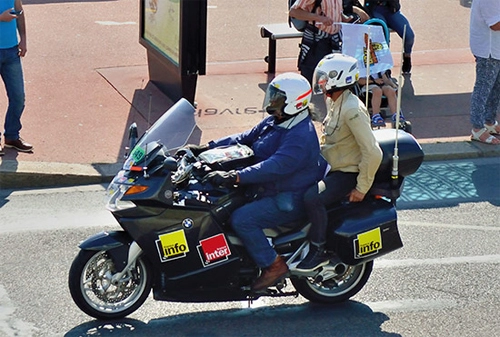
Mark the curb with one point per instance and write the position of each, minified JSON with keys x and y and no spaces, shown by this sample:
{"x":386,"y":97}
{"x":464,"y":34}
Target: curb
{"x":17,"y":175}
{"x":27,"y":175}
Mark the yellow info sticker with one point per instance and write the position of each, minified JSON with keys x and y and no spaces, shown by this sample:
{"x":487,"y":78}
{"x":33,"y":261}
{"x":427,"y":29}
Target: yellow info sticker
{"x":368,"y":243}
{"x":172,"y":246}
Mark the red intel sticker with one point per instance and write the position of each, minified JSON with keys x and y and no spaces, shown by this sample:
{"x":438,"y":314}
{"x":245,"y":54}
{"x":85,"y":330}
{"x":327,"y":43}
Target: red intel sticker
{"x":213,"y":249}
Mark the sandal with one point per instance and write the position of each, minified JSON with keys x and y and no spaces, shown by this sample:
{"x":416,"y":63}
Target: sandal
{"x":402,"y":120}
{"x":490,"y":140}
{"x":377,"y":121}
{"x":492,"y":129}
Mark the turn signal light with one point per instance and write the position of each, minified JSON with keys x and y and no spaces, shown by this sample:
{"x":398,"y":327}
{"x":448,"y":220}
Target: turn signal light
{"x":136,"y":189}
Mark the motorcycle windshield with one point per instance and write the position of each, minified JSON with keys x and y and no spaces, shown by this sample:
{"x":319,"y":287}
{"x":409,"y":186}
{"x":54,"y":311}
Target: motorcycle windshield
{"x":172,"y":130}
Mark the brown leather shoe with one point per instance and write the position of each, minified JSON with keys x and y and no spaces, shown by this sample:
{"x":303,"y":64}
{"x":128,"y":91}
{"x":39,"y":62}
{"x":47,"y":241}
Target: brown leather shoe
{"x":277,"y":270}
{"x":19,"y":145}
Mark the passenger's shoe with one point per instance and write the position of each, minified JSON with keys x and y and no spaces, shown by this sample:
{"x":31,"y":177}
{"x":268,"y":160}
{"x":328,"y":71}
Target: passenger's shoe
{"x":314,"y":259}
{"x":377,"y":121}
{"x":19,"y":145}
{"x":1,"y":151}
{"x":406,"y":68}
{"x":270,"y":275}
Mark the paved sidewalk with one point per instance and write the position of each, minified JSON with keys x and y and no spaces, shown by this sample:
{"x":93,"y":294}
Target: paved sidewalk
{"x":87,"y":80}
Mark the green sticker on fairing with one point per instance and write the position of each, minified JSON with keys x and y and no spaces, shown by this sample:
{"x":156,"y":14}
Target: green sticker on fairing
{"x":138,"y":154}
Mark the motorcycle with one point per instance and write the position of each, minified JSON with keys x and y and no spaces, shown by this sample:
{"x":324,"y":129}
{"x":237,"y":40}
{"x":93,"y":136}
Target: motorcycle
{"x":177,"y":240}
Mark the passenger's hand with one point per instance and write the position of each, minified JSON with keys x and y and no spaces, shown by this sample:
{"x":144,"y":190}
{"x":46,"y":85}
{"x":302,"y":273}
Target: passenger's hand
{"x":356,"y":196}
{"x":195,"y":149}
{"x":221,"y":178}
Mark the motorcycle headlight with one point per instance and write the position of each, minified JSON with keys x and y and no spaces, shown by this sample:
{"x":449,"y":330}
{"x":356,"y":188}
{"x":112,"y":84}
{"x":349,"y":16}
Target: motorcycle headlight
{"x":114,"y":194}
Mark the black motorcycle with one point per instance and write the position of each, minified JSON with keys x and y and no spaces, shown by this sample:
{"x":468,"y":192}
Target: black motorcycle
{"x":176,"y":238}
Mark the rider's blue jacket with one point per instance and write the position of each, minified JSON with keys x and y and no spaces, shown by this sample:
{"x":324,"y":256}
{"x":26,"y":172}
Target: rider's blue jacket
{"x":287,"y":159}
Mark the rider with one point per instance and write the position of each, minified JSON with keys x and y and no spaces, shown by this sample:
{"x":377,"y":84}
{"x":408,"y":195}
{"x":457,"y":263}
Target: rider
{"x":349,"y":146}
{"x":288,"y":162}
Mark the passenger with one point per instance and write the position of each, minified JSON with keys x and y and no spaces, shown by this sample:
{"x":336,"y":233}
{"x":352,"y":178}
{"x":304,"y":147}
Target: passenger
{"x":349,"y":146}
{"x":286,"y":150}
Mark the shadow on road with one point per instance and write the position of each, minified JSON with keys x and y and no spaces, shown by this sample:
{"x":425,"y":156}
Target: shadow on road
{"x":347,"y":319}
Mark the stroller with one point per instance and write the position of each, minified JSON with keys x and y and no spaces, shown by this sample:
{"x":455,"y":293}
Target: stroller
{"x":361,"y":91}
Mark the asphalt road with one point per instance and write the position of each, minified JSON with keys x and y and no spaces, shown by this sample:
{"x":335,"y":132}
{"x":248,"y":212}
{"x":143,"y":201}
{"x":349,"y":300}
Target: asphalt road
{"x":442,"y":283}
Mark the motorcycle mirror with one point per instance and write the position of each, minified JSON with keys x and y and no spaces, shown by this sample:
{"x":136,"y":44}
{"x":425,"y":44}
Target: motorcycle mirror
{"x":132,"y":136}
{"x":170,"y":164}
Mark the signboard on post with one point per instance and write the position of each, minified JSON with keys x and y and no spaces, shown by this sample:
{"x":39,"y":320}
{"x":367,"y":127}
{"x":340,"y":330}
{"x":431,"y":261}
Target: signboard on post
{"x":174,"y":35}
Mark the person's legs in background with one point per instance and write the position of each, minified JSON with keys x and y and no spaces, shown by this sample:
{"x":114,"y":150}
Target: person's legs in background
{"x":12,"y":75}
{"x":376,"y":102}
{"x":397,"y":22}
{"x":485,"y":101}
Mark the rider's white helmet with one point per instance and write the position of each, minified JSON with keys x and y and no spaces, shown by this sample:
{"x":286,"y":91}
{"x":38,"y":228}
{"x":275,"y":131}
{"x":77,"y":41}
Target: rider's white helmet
{"x":335,"y":71}
{"x":289,"y":93}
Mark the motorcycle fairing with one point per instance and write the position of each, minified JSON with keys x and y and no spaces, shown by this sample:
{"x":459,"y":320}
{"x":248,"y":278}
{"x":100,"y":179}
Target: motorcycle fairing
{"x":116,"y":243}
{"x":195,"y":228}
{"x":105,"y":240}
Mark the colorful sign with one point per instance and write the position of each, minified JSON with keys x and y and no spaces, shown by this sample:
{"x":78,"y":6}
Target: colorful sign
{"x":213,"y":250}
{"x":162,"y":26}
{"x":172,"y":246}
{"x":367,"y":243}
{"x":360,"y":40}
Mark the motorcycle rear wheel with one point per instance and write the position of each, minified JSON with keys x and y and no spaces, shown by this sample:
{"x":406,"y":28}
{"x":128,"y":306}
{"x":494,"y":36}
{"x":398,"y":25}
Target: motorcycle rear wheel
{"x":335,"y":290}
{"x":93,"y":292}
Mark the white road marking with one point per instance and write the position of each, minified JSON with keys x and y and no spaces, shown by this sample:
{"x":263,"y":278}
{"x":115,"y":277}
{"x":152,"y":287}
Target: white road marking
{"x":410,"y":305}
{"x":451,"y":226}
{"x":383,"y":263}
{"x":9,"y":325}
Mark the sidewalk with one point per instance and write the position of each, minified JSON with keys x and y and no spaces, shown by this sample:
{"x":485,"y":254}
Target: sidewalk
{"x":87,"y":81}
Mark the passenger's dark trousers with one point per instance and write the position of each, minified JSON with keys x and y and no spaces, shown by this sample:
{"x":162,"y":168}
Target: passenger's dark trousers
{"x":333,"y":188}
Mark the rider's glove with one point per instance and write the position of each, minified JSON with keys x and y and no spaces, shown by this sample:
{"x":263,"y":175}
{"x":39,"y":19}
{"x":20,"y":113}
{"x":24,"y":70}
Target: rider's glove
{"x":195,"y":149}
{"x":222,"y":178}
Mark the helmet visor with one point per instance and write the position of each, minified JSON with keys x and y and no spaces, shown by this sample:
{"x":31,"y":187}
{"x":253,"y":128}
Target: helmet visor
{"x":320,"y":80}
{"x":275,"y":99}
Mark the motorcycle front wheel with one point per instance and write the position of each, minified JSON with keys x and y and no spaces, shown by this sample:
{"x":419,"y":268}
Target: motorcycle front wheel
{"x":95,"y":293}
{"x":337,"y":289}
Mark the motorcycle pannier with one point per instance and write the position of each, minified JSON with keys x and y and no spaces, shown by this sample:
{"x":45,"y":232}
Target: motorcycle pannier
{"x":360,"y":232}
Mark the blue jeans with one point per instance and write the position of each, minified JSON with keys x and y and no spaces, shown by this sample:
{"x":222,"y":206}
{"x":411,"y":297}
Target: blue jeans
{"x":485,"y":98}
{"x":332,"y":189}
{"x":249,"y":221}
{"x":396,"y":21}
{"x":11,"y":72}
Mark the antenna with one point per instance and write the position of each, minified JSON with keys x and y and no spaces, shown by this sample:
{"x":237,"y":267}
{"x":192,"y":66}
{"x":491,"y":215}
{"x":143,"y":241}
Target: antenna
{"x":368,"y":61}
{"x":395,"y":157}
{"x":149,"y":109}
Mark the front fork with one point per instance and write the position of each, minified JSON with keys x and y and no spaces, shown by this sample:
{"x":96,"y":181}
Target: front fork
{"x":134,"y":252}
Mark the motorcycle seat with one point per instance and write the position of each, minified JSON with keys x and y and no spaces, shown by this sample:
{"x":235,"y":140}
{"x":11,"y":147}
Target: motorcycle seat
{"x":282,"y":229}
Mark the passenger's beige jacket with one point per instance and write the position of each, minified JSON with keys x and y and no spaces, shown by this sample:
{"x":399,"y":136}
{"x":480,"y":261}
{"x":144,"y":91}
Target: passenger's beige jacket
{"x":347,"y":142}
